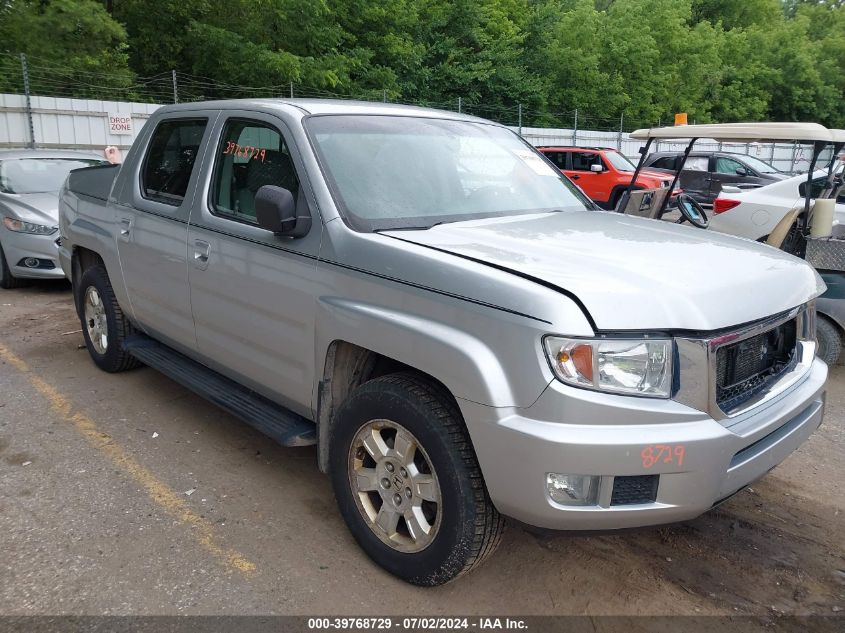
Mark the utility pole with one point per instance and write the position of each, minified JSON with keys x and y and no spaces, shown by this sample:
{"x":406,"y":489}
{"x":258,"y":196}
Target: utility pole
{"x":575,"y":129}
{"x":384,"y":95}
{"x":25,"y":70}
{"x":520,"y":119}
{"x":619,"y":137}
{"x":459,"y":105}
{"x":291,"y":90}
{"x":175,"y":87}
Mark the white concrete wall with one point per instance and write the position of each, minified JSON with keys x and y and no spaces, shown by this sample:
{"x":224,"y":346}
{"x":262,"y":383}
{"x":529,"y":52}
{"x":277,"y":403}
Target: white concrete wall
{"x":68,"y":123}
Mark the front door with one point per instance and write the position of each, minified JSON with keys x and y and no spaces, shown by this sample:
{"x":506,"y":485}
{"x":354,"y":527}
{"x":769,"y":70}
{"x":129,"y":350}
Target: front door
{"x":253,"y":292}
{"x":152,"y":216}
{"x":592,"y":183}
{"x":727,"y":171}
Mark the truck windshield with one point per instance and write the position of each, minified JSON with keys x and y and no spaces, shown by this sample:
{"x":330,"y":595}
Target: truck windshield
{"x":393,"y":172}
{"x":38,"y":175}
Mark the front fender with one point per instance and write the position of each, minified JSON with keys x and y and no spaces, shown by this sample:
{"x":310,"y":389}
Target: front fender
{"x":464,"y":363}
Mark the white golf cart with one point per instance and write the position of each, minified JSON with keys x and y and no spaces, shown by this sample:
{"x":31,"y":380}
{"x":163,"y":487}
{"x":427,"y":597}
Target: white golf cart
{"x":793,"y":233}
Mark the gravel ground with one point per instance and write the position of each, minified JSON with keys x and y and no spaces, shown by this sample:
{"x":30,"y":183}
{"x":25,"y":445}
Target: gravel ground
{"x":96,"y":515}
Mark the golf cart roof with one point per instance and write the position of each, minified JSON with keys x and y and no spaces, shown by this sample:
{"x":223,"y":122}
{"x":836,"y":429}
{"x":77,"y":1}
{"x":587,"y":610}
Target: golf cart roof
{"x":743,"y":132}
{"x":838,"y":135}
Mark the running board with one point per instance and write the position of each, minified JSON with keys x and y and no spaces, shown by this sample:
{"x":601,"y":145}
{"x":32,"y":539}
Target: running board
{"x":273,"y":420}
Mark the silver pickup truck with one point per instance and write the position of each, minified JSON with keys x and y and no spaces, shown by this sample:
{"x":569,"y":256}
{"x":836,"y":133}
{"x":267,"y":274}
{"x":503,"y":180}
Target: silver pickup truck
{"x":460,"y":332}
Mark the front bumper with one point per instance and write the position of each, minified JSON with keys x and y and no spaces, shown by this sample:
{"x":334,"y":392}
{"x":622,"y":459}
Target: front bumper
{"x":20,"y":246}
{"x":605,"y":435}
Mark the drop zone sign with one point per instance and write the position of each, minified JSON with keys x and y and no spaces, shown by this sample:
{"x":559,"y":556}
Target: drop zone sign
{"x":120,"y":123}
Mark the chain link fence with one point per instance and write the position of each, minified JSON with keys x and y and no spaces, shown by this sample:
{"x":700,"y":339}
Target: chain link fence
{"x":55,"y":85}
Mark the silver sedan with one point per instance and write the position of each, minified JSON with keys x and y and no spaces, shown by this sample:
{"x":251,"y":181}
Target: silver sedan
{"x":29,"y":190}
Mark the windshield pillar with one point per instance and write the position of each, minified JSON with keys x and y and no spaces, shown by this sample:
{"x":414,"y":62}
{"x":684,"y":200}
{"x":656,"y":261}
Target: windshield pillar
{"x":675,"y":178}
{"x":623,"y":199}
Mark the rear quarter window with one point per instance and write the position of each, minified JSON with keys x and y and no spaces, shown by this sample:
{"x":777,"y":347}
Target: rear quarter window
{"x":170,"y":160}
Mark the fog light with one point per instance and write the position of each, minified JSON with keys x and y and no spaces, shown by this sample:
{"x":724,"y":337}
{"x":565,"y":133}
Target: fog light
{"x":573,"y":490}
{"x":31,"y":262}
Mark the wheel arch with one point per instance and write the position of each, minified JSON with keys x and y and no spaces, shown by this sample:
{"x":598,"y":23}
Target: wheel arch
{"x":81,"y":260}
{"x":347,"y":366}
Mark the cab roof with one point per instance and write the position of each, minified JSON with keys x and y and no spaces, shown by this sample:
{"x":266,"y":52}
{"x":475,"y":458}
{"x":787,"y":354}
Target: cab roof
{"x":323,"y":106}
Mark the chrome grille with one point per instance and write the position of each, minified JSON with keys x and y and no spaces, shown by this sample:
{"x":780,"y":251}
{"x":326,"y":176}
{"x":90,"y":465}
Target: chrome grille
{"x":747,"y":367}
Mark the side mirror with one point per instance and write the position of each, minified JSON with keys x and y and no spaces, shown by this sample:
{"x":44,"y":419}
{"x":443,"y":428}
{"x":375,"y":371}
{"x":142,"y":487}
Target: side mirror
{"x":597,"y":169}
{"x":275,"y":210}
{"x":742,"y":171}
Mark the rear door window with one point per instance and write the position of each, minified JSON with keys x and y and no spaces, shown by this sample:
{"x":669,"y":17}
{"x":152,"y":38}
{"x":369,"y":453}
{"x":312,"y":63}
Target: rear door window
{"x":697,"y":163}
{"x":558,"y":158}
{"x":170,"y":160}
{"x":819,"y":185}
{"x":251,"y":154}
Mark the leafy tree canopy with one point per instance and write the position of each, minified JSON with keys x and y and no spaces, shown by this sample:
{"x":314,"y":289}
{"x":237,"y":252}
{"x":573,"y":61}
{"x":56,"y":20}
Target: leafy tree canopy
{"x":717,"y":60}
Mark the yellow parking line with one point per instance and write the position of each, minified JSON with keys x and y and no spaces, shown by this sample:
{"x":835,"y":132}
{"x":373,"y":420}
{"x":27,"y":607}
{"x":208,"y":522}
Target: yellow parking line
{"x":158,"y":491}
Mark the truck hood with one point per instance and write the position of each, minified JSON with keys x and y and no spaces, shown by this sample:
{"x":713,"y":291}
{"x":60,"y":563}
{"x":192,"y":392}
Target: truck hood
{"x":660,"y":175}
{"x":632,"y":273}
{"x":39,"y":208}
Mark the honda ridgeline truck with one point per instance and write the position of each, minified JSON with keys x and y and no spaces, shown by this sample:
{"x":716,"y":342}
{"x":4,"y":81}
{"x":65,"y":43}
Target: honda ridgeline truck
{"x":427,"y":299}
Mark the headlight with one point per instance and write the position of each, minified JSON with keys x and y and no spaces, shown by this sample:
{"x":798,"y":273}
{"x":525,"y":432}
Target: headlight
{"x":19,"y":226}
{"x":641,"y":366}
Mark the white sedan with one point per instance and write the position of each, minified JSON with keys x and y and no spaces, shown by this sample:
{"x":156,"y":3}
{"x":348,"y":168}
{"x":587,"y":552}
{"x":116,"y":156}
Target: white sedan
{"x":753,"y":213}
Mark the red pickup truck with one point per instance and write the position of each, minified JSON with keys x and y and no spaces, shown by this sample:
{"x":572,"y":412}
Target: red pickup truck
{"x":603,"y":173}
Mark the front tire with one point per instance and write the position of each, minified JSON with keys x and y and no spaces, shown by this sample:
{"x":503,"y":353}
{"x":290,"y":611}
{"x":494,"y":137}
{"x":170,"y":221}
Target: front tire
{"x":408,"y":483}
{"x":7,"y":280}
{"x":104,"y":326}
{"x":829,"y":341}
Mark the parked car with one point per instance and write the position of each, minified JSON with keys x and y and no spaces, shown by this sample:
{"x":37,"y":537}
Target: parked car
{"x":753,"y":213}
{"x":705,"y":172}
{"x":29,"y":199}
{"x":446,"y":316}
{"x":602,"y":172}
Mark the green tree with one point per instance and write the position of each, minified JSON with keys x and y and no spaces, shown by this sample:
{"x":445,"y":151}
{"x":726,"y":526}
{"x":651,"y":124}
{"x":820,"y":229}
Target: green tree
{"x":74,"y":46}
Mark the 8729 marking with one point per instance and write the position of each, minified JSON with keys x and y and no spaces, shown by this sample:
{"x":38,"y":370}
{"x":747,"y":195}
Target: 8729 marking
{"x":663,"y":453}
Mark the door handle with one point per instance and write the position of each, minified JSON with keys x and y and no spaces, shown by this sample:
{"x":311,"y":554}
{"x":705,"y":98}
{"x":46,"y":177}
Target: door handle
{"x":575,"y":177}
{"x":125,"y":229}
{"x":202,"y":250}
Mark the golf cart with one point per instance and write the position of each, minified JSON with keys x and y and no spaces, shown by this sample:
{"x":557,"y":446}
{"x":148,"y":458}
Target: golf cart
{"x":800,"y":232}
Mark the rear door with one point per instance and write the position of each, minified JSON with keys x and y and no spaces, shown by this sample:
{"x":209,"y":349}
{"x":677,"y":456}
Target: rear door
{"x":695,"y":178}
{"x":152,"y":215}
{"x":253,"y":292}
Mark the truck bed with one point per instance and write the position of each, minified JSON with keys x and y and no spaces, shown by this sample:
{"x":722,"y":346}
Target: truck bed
{"x":93,"y":182}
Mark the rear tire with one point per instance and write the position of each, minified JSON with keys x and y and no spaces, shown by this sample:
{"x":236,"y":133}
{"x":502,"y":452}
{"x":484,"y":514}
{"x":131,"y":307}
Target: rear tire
{"x":104,"y":326}
{"x":829,"y":341}
{"x":7,"y":280}
{"x":399,"y":450}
